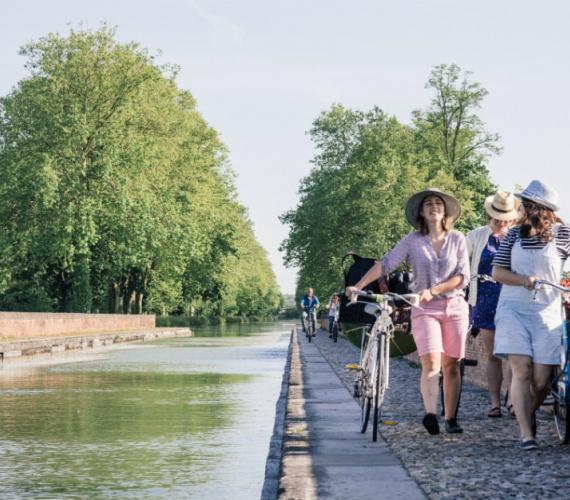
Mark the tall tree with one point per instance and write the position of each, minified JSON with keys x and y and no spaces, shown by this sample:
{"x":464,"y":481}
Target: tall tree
{"x":115,"y":194}
{"x":367,"y":164}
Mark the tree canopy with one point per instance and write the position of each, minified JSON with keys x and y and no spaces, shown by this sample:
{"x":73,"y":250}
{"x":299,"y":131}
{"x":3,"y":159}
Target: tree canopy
{"x":366,"y":166}
{"x":115,"y":193}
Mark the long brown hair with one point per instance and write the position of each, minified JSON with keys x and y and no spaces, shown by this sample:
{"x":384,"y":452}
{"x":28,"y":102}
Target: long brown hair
{"x":539,"y":218}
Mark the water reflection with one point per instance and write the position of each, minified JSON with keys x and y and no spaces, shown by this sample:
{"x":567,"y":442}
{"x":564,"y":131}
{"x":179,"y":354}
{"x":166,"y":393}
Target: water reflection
{"x":175,"y":418}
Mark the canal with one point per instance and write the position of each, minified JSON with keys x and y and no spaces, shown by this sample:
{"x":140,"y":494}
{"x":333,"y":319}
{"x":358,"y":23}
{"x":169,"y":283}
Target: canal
{"x":182,"y":417}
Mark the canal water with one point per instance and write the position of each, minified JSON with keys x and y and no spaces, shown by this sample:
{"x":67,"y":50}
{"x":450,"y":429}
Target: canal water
{"x":175,"y":418}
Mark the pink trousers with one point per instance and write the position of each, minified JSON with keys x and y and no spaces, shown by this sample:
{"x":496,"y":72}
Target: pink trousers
{"x":441,"y":327}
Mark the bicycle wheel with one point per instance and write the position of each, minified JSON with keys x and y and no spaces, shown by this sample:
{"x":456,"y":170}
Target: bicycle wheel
{"x":380,"y":383}
{"x":335,"y":331}
{"x":309,"y":332}
{"x":561,"y":421}
{"x":364,"y":407}
{"x":365,"y":390}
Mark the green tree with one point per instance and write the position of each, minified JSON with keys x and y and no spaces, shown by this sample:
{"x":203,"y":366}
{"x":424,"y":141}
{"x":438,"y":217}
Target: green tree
{"x":366,"y":166}
{"x":116,"y":195}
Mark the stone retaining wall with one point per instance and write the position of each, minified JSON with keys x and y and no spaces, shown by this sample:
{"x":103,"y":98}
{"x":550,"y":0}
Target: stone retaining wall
{"x":15,"y":349}
{"x":14,"y":325}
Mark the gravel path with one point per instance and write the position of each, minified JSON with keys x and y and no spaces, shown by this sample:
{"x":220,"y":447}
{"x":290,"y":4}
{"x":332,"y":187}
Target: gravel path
{"x":483,"y":462}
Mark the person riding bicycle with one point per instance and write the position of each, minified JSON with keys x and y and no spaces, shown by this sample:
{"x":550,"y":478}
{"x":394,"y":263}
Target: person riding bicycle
{"x":529,"y":326}
{"x":438,"y":256}
{"x":333,"y":308}
{"x":309,"y":304}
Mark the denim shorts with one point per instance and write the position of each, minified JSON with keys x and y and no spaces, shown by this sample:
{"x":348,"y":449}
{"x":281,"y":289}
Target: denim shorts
{"x":528,"y":329}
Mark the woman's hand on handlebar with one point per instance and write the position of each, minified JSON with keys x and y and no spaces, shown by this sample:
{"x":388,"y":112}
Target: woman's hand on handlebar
{"x":530,"y":281}
{"x":350,"y":290}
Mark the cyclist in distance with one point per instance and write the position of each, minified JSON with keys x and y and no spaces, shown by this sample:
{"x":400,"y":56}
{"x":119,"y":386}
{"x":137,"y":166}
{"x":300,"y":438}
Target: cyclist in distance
{"x":309,"y":304}
{"x":482,"y":245}
{"x":333,"y":308}
{"x":528,"y":322}
{"x":438,"y":256}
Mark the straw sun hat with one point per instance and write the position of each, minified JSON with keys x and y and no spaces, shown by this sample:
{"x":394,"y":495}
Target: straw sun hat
{"x":414,"y":205}
{"x":502,"y":206}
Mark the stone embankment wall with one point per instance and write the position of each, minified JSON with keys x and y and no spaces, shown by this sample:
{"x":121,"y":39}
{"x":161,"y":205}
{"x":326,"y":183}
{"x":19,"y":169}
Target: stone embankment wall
{"x":14,"y":325}
{"x":13,"y":350}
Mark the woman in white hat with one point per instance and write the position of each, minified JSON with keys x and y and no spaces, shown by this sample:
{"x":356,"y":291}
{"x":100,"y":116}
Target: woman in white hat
{"x":482,"y":244}
{"x":529,"y":329}
{"x":438,"y":255}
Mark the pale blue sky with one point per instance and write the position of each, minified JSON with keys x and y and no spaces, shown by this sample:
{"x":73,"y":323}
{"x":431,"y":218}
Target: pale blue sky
{"x":262,"y":70}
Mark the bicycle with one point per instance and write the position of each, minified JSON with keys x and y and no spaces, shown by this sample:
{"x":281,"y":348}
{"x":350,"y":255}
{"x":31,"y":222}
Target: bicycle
{"x":310,"y":326}
{"x":374,"y":366}
{"x":335,"y":329}
{"x":560,"y":386}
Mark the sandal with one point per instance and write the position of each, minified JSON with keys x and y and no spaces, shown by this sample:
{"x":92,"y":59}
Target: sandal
{"x":495,"y":412}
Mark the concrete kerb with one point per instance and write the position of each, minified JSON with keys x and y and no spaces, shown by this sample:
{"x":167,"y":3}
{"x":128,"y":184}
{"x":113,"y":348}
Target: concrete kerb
{"x":273,"y":464}
{"x":326,"y":456}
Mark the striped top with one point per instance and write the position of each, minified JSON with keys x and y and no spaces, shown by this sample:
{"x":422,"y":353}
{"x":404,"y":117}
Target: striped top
{"x":561,"y":238}
{"x":429,"y":269}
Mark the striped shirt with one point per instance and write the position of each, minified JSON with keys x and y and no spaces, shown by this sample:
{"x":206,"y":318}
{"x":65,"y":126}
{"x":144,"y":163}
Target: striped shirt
{"x":503,"y":256}
{"x":429,"y":268}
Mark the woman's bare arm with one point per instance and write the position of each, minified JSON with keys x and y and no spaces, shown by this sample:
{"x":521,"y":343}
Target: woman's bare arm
{"x":507,"y":277}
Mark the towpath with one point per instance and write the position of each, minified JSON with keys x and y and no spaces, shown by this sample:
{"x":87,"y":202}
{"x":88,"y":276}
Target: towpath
{"x":484,"y":462}
{"x":324,"y":454}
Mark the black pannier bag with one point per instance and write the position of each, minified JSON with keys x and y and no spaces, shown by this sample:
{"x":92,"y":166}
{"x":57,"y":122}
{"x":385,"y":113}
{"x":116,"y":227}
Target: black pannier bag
{"x":398,"y":282}
{"x":358,"y":268}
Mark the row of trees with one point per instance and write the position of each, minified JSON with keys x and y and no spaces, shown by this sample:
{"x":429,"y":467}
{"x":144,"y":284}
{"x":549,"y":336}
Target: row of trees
{"x":367,"y":165}
{"x":115,"y":194}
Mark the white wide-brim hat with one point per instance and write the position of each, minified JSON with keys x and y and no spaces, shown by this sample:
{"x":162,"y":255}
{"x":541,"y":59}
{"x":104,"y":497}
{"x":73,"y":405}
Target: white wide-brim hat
{"x":414,"y":205}
{"x":542,"y":194}
{"x":502,"y":206}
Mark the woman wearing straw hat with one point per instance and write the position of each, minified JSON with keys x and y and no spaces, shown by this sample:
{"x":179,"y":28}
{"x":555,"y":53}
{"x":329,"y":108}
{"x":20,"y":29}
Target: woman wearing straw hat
{"x":438,"y":256}
{"x":482,"y":244}
{"x":528,"y":328}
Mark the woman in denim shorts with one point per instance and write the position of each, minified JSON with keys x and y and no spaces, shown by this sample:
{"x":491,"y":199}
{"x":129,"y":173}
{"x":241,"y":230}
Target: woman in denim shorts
{"x":438,"y":256}
{"x":528,"y":328}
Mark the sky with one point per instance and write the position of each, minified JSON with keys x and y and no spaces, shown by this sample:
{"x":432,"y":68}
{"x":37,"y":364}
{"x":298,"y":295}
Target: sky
{"x":263,"y":70}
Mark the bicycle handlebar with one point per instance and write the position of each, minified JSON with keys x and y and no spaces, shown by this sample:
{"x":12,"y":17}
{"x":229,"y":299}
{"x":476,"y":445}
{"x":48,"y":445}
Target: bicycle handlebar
{"x":388,"y":295}
{"x":538,"y":284}
{"x":483,"y":278}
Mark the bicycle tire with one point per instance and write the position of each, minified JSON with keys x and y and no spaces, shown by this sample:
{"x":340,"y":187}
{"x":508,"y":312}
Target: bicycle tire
{"x":561,"y":421}
{"x":378,"y":395}
{"x":364,"y":411}
{"x":365,"y":400}
{"x":335,"y":331}
{"x":309,"y":334}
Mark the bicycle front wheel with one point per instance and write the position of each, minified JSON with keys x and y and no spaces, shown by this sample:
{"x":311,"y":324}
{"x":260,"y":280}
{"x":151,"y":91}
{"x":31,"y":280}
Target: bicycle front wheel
{"x":561,"y":421}
{"x":364,"y":409}
{"x":380,"y":383}
{"x":335,"y":331}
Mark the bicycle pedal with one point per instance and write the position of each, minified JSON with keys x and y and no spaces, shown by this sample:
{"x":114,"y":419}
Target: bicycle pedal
{"x":353,"y":366}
